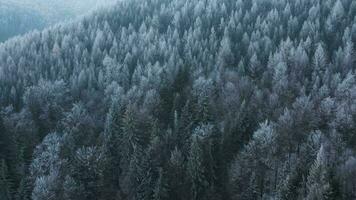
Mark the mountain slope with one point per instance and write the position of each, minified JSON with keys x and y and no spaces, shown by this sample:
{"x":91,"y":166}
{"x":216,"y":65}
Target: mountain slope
{"x":21,"y":16}
{"x":55,"y":10}
{"x":16,"y":20}
{"x":183,"y":99}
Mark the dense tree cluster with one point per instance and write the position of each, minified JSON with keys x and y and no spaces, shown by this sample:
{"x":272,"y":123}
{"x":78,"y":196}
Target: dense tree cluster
{"x":183,"y":99}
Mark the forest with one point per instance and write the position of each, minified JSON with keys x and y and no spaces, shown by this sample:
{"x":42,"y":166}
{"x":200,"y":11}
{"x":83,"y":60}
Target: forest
{"x":183,"y":100}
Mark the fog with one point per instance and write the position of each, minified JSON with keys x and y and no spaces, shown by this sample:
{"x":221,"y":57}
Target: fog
{"x":21,"y":16}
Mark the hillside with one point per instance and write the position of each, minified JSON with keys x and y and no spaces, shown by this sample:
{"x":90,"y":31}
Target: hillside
{"x":21,"y":16}
{"x":55,"y":10}
{"x":183,"y":99}
{"x":16,"y":20}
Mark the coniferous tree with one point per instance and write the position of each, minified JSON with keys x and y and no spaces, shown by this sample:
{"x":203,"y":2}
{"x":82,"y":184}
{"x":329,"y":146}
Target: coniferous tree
{"x":5,"y":186}
{"x":318,"y":184}
{"x":196,"y":170}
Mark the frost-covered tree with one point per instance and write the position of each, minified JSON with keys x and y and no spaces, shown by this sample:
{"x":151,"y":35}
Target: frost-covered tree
{"x":196,"y":170}
{"x":169,"y":100}
{"x":318,"y":184}
{"x":4,"y":182}
{"x":46,"y":168}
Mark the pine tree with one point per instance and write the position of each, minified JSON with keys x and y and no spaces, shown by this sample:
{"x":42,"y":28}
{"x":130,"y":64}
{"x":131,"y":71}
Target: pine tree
{"x":185,"y":124}
{"x":160,"y":190}
{"x":225,"y":52}
{"x":290,"y":186}
{"x":253,"y":163}
{"x":318,"y":185}
{"x":112,"y":148}
{"x":319,"y":61}
{"x":196,"y":170}
{"x":130,"y":135}
{"x":177,"y":176}
{"x":71,"y":189}
{"x":5,"y":193}
{"x":24,"y":189}
{"x":139,"y":179}
{"x":338,"y":11}
{"x":88,"y":171}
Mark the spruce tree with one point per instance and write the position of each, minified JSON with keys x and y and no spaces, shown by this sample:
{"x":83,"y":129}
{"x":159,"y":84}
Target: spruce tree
{"x":196,"y":170}
{"x":5,"y":187}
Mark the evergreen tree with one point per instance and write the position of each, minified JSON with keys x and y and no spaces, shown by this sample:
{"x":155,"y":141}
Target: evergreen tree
{"x":196,"y":170}
{"x":177,"y":186}
{"x":5,"y":192}
{"x":225,"y":52}
{"x":160,"y":191}
{"x":318,"y":184}
{"x":88,"y":171}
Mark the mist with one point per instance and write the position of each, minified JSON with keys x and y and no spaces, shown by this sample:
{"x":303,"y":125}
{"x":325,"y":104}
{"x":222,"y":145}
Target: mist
{"x":18,"y":17}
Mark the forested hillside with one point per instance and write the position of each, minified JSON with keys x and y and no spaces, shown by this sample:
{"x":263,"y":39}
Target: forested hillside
{"x":16,"y":20}
{"x":21,"y":16}
{"x":183,"y":99}
{"x":57,"y":10}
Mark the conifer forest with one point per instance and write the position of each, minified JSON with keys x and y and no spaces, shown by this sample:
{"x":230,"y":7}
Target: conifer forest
{"x":182,"y":100}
